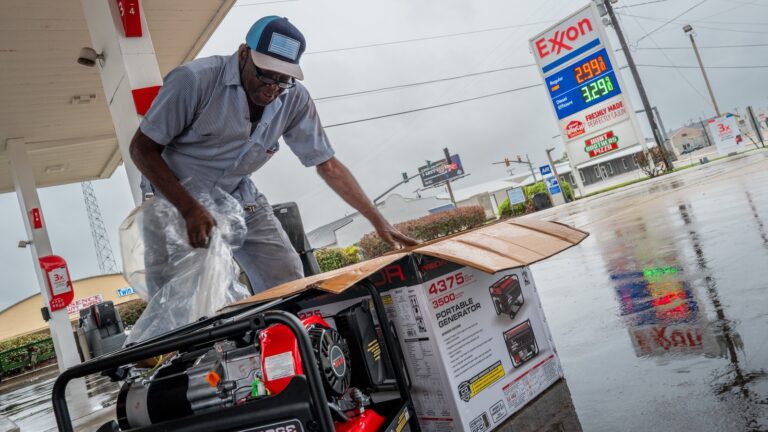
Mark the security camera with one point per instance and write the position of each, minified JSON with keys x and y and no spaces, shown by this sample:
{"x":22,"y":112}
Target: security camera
{"x":88,"y":57}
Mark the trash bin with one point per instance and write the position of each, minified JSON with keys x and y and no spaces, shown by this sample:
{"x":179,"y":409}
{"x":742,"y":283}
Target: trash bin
{"x":541,"y":201}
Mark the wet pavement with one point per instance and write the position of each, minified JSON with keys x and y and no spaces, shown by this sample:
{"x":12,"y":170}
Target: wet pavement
{"x":30,"y":407}
{"x":660,"y":316}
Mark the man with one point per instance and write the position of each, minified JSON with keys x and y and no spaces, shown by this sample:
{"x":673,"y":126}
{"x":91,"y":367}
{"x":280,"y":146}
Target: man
{"x":218,"y":119}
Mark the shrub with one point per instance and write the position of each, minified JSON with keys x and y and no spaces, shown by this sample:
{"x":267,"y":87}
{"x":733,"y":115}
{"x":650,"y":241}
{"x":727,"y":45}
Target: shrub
{"x":131,"y":311}
{"x":505,"y":210}
{"x":19,"y":341}
{"x":427,"y":228}
{"x":334,"y":258}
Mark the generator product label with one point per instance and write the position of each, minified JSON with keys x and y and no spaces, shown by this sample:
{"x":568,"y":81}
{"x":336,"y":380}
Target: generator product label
{"x":279,"y":366}
{"x":472,"y":387}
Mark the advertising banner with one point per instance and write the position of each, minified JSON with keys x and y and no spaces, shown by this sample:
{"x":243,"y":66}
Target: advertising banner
{"x":439,"y":171}
{"x":605,"y":141}
{"x":726,"y":134}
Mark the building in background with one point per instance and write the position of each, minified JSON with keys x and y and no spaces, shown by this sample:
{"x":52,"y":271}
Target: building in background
{"x":395,"y":208}
{"x":688,"y":138}
{"x":25,"y":317}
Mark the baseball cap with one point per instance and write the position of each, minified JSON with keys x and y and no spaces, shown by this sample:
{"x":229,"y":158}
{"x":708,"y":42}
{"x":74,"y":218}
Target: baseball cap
{"x":276,"y":45}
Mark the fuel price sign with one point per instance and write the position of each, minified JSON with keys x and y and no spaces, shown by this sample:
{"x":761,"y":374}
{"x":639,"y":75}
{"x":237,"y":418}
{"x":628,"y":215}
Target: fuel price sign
{"x":587,"y":82}
{"x":586,"y":90}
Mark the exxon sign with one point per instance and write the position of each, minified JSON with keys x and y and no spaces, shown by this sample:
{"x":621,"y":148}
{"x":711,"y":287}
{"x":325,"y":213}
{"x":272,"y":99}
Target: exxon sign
{"x":565,"y":41}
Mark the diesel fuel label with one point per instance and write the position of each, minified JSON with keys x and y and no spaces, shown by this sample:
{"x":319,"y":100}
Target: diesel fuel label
{"x":473,"y":386}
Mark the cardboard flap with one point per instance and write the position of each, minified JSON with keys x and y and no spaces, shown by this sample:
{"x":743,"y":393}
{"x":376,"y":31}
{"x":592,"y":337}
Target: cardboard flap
{"x":334,"y":281}
{"x":496,"y":247}
{"x":505,"y":245}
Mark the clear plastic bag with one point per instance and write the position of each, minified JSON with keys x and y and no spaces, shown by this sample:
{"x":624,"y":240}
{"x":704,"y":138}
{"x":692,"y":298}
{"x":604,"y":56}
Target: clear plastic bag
{"x":181,"y":284}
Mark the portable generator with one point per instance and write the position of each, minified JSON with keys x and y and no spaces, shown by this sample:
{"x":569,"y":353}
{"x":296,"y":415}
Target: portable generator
{"x":507,"y":296}
{"x":258,"y":371}
{"x":521,"y":343}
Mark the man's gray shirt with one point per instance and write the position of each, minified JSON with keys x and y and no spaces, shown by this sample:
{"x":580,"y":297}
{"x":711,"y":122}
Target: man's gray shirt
{"x":201,"y":116}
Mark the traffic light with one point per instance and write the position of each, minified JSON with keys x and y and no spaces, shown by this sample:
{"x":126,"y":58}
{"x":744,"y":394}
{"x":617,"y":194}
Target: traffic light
{"x":405,"y":177}
{"x":519,"y":158}
{"x":506,"y":161}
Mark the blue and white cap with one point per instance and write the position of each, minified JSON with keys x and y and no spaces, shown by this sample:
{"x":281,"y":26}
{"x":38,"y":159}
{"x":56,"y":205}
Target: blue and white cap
{"x":276,"y":45}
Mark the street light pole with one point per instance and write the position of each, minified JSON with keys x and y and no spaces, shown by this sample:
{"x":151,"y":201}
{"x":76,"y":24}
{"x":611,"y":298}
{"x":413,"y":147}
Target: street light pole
{"x":689,"y":31}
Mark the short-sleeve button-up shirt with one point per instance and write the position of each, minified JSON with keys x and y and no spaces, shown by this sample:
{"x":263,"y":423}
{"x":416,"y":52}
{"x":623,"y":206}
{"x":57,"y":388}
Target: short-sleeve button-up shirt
{"x":201,"y":116}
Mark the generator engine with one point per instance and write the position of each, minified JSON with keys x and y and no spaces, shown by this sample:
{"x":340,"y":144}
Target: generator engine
{"x":255,"y":367}
{"x":507,"y":296}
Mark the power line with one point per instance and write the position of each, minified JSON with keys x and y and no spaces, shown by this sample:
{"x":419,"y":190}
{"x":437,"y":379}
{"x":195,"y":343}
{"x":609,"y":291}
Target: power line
{"x":707,"y":67}
{"x":678,"y":71}
{"x":640,"y":4}
{"x":432,"y":106}
{"x":697,"y":25}
{"x":427,"y":38}
{"x":701,"y":47}
{"x":669,"y":21}
{"x":326,"y":98}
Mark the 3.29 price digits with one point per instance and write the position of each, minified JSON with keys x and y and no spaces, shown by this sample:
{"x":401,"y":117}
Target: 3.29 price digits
{"x":597,"y":89}
{"x":446,"y":283}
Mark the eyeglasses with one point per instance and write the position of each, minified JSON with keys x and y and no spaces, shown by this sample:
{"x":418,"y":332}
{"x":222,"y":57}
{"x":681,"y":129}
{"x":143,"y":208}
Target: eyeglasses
{"x":271,"y":81}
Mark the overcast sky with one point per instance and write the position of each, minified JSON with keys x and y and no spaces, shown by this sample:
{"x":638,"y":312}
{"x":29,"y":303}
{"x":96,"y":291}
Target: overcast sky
{"x":440,"y":39}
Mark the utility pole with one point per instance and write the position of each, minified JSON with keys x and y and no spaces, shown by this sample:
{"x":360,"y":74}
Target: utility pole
{"x":689,"y":31}
{"x":704,"y":129}
{"x":755,"y":125}
{"x":639,"y":83}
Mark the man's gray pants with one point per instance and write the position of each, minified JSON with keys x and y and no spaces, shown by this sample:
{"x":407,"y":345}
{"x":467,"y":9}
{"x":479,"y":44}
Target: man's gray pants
{"x":267,"y":256}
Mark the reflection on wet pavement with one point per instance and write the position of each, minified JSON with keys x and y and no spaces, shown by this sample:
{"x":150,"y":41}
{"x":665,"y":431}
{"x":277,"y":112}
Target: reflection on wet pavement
{"x":660,"y":315}
{"x":30,"y":407}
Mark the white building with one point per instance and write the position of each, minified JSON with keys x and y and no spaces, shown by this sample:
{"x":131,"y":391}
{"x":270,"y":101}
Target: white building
{"x":395,"y":208}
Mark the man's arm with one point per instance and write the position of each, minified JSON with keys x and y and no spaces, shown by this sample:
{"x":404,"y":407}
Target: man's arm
{"x":344,"y":184}
{"x":146,"y":155}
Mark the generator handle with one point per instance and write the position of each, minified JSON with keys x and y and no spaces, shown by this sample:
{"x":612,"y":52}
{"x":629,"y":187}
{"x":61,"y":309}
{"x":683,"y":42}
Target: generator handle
{"x":397,"y":364}
{"x":159,"y":347}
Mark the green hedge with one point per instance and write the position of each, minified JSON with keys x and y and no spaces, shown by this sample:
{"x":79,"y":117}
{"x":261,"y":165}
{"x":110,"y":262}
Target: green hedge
{"x":130,"y":311}
{"x":529,"y":191}
{"x":334,"y":258}
{"x":427,"y":228}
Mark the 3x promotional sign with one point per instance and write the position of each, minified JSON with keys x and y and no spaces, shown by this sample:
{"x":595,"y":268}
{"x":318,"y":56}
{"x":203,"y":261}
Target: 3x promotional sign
{"x":577,"y":64}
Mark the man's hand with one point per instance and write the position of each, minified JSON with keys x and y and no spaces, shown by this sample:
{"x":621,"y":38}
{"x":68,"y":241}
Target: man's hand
{"x":344,"y":184}
{"x":146,"y":154}
{"x":199,"y":225}
{"x":393,"y":237}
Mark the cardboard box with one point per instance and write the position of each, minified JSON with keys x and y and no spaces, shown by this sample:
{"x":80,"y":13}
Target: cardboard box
{"x":467,"y":317}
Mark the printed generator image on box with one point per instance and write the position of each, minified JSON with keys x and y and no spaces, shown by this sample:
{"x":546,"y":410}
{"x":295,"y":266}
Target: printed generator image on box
{"x":466,"y":316}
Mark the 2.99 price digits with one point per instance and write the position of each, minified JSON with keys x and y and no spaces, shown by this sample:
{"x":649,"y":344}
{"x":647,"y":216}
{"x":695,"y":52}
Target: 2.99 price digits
{"x":446,"y":283}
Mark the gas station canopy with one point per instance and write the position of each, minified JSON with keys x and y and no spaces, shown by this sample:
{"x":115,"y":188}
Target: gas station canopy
{"x":58,"y":105}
